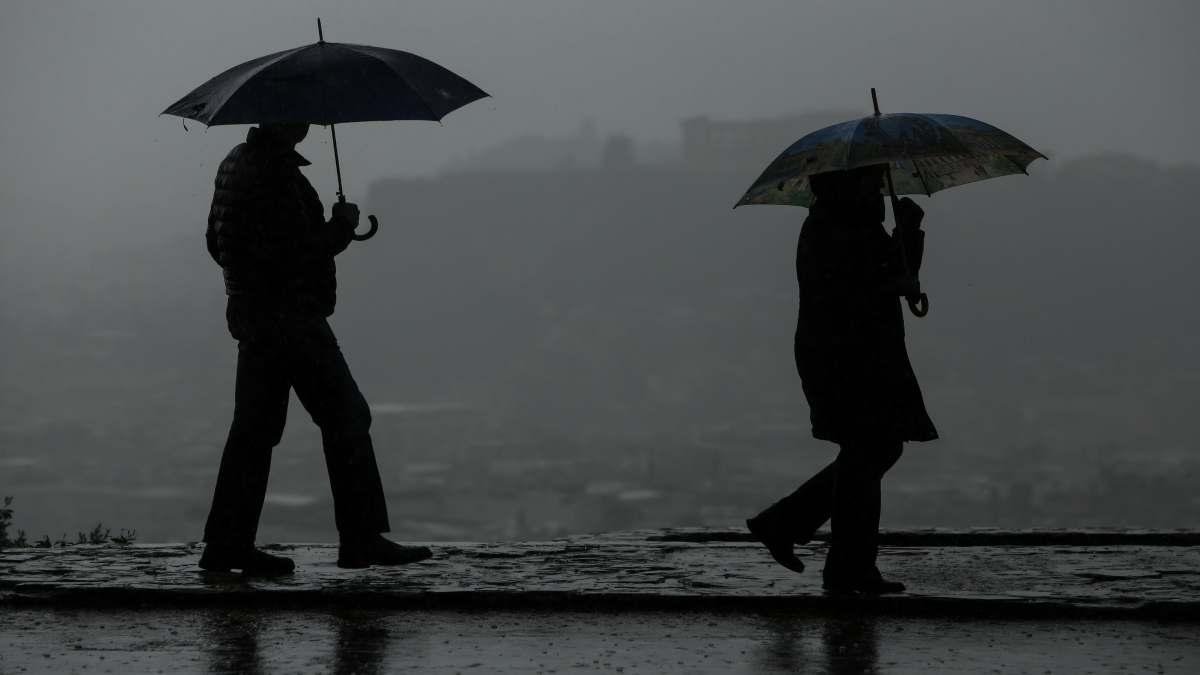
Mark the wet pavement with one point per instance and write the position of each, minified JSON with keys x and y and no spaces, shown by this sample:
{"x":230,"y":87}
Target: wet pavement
{"x":647,"y":601}
{"x":245,"y":640}
{"x":1137,"y":577}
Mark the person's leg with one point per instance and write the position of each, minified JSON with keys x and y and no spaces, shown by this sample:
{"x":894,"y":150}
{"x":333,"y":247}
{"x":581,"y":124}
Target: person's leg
{"x":795,"y":518}
{"x":855,"y":507}
{"x":885,"y":455}
{"x":327,"y":390}
{"x":855,"y":523}
{"x":259,"y":415}
{"x":800,"y":514}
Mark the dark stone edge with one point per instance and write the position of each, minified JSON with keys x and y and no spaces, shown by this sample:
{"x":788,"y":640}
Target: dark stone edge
{"x":116,"y":599}
{"x":936,"y":538}
{"x":933,"y":538}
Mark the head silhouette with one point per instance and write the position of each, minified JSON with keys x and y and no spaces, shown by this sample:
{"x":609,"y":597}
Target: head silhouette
{"x":858,"y":189}
{"x":290,"y":133}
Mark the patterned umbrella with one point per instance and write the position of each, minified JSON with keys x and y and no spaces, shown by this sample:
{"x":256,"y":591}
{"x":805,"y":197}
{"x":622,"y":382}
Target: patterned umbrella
{"x":923,"y":152}
{"x":926,"y":152}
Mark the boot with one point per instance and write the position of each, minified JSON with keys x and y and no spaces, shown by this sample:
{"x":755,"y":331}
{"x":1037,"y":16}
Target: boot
{"x":778,"y":545}
{"x":869,"y":582}
{"x":358,"y":551}
{"x":219,"y":557}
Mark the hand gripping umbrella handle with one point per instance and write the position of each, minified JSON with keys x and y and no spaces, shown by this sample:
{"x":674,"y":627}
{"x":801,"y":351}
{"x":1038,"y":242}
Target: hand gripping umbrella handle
{"x":369,"y":233}
{"x":917,"y":304}
{"x":337,"y":163}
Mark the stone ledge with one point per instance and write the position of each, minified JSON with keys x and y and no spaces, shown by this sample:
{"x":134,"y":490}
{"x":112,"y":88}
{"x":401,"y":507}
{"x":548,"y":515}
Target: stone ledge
{"x":973,"y":537}
{"x":670,"y":570}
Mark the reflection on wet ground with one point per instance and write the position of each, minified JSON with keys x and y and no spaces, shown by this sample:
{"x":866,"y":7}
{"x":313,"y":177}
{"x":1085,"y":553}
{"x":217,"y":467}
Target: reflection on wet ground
{"x":832,"y":645}
{"x":248,"y":640}
{"x":232,"y":639}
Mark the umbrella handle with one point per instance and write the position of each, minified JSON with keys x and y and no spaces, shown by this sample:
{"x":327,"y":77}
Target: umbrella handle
{"x":369,"y":233}
{"x":918,"y":305}
{"x":338,"y":165}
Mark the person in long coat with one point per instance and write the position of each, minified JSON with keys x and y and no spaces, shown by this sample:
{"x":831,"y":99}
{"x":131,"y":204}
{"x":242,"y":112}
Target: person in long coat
{"x":855,"y":372}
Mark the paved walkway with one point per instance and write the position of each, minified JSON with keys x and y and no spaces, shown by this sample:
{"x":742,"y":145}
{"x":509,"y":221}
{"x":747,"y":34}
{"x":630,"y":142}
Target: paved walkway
{"x":1126,"y":576}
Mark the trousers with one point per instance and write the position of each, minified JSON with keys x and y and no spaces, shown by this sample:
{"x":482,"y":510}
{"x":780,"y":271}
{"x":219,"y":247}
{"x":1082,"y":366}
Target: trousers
{"x":302,"y":355}
{"x":847,"y":492}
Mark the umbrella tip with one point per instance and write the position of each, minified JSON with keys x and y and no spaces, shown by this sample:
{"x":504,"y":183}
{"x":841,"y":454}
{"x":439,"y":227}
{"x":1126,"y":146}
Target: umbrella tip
{"x":875,"y":101}
{"x":320,"y":32}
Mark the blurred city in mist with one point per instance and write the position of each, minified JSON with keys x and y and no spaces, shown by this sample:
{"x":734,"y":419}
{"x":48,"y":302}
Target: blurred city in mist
{"x":570,"y":330}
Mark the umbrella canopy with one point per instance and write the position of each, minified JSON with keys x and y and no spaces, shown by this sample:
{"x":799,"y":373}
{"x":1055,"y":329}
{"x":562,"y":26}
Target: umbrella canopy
{"x":923,"y":153}
{"x":926,"y":153}
{"x":328,"y":83}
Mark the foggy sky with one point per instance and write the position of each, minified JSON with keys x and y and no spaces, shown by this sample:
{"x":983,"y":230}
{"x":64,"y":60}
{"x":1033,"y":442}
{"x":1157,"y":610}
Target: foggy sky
{"x":87,"y":157}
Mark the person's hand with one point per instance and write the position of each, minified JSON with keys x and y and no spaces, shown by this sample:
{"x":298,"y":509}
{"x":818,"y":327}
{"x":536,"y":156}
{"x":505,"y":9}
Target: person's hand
{"x":346,"y":215}
{"x":908,"y":214}
{"x":908,"y":286}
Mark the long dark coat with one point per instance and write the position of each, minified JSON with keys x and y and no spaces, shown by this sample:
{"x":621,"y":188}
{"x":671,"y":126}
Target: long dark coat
{"x":850,"y":351}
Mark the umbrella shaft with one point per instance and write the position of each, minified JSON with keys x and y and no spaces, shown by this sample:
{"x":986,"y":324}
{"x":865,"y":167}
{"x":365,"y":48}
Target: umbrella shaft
{"x":337,"y":165}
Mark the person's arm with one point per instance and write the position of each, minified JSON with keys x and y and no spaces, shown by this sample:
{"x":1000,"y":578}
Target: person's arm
{"x":334,"y":235}
{"x":339,"y":230}
{"x":908,"y":225}
{"x":212,"y":241}
{"x":905,"y":264}
{"x":279,"y":237}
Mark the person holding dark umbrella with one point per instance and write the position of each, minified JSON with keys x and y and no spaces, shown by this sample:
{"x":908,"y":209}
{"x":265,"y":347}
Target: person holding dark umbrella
{"x":267,"y":231}
{"x":849,"y":348}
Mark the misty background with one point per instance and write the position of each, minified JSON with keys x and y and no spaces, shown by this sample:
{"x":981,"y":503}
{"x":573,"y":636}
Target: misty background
{"x":562,"y":325}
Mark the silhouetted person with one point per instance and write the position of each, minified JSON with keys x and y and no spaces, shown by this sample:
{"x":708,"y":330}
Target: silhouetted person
{"x":268,"y":233}
{"x":854,"y":369}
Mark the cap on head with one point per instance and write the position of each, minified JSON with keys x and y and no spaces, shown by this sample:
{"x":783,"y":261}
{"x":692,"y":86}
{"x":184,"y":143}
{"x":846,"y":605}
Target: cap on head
{"x":290,"y":132}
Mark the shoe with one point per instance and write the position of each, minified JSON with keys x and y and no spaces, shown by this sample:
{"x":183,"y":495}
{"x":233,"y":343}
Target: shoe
{"x":251,"y":561}
{"x":778,"y":545}
{"x":374,"y":549}
{"x":870,"y":583}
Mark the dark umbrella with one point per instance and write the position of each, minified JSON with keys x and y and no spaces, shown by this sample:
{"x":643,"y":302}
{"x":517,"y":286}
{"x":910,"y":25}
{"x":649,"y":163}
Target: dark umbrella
{"x":930,"y":152}
{"x":328,"y":83}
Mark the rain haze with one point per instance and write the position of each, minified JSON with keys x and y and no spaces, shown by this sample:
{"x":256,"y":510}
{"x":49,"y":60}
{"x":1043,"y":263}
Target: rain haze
{"x":562,"y":326}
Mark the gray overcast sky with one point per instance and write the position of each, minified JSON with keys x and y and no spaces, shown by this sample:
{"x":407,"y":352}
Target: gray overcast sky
{"x":83,"y":81}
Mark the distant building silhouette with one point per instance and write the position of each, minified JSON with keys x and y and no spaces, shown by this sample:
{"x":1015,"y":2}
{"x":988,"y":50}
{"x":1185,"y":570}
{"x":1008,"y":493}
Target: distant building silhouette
{"x":535,"y":153}
{"x":709,"y":142}
{"x":618,"y":152}
{"x":704,"y":143}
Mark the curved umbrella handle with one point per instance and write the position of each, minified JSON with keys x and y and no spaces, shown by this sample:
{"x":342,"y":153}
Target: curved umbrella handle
{"x":918,"y":305}
{"x":369,"y":233}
